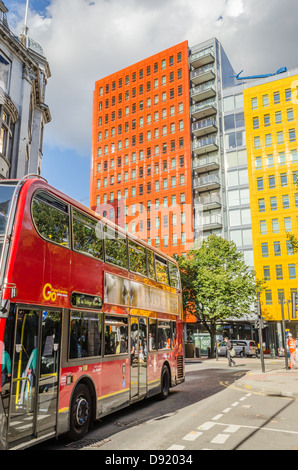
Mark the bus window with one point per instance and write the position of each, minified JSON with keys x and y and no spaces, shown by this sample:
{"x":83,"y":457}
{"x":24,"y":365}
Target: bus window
{"x":150,"y":261}
{"x":85,"y":335}
{"x":51,"y":218}
{"x":174,"y":333}
{"x":116,"y":335}
{"x":6,"y":193}
{"x":152,"y":334}
{"x":161,"y":270}
{"x":115,"y":247}
{"x":174,"y":276}
{"x":164,"y":335}
{"x":137,"y":258}
{"x":87,"y":235}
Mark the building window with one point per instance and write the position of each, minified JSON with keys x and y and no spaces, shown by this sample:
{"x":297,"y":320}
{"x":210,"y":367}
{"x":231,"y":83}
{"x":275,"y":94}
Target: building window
{"x":273,"y":203}
{"x":280,"y":137}
{"x":271,"y":181}
{"x":278,"y":271}
{"x":268,"y":140}
{"x":292,"y":271}
{"x":278,"y":117}
{"x":287,"y":224}
{"x":285,"y":201}
{"x":284,"y":179}
{"x":261,"y":205}
{"x":267,"y":120}
{"x":257,"y":142}
{"x":276,"y":97}
{"x":275,"y":226}
{"x":290,"y":250}
{"x":268,"y":296}
{"x":260,"y":184}
{"x":263,"y":227}
{"x":255,"y":122}
{"x":254,"y":103}
{"x":266,"y":272}
{"x":265,"y":101}
{"x":265,"y":250}
{"x":277,"y":250}
{"x":292,"y":135}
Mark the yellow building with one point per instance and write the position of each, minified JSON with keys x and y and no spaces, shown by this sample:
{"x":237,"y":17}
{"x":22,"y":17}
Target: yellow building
{"x":271,"y":117}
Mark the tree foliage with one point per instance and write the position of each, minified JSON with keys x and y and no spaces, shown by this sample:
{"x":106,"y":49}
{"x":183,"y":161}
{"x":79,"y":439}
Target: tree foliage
{"x":216,"y":283}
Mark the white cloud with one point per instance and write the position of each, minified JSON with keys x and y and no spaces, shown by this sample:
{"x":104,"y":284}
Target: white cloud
{"x":87,"y":40}
{"x":234,"y":8}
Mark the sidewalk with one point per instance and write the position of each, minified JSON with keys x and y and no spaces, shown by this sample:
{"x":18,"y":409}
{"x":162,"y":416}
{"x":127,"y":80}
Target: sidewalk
{"x":280,"y":382}
{"x":276,"y":380}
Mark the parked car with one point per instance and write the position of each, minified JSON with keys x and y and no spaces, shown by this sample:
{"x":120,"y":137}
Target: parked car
{"x":243,"y":347}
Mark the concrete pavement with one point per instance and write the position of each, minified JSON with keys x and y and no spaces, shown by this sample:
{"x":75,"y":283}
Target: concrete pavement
{"x":276,"y":380}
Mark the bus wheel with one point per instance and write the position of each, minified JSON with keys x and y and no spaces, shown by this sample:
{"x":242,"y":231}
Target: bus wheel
{"x":80,"y":413}
{"x":165,"y":382}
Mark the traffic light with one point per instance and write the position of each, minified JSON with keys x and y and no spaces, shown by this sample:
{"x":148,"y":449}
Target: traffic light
{"x":294,"y":305}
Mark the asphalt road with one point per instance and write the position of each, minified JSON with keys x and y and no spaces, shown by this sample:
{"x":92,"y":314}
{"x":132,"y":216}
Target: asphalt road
{"x":208,"y":411}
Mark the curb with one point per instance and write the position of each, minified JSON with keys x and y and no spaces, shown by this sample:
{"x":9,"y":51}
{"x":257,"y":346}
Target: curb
{"x":268,"y":391}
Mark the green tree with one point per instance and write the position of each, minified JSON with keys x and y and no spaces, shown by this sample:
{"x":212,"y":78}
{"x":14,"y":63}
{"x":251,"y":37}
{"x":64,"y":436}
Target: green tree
{"x":216,"y":283}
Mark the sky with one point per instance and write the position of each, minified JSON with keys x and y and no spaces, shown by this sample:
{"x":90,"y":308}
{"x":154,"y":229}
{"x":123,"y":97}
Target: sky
{"x":85,"y":40}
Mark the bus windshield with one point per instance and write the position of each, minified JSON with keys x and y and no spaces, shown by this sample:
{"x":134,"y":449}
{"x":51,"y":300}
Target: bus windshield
{"x":6,"y":193}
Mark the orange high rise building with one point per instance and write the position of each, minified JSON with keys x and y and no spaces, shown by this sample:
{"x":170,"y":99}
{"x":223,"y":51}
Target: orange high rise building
{"x":156,"y":153}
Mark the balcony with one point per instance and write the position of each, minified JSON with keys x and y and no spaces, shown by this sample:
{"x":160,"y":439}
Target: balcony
{"x":208,"y":202}
{"x":203,"y":127}
{"x":204,"y":109}
{"x":207,"y":222}
{"x":205,"y":145}
{"x":206,"y":163}
{"x":205,"y":183}
{"x":212,"y":222}
{"x":203,"y":74}
{"x":200,"y":58}
{"x":203,"y":91}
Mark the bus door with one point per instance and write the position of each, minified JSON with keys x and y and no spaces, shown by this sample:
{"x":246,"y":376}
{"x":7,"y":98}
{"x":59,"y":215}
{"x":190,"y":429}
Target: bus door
{"x":138,"y":367}
{"x":35,"y":374}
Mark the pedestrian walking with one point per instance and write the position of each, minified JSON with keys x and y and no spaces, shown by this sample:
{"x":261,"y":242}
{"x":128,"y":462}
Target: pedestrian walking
{"x":230,"y":352}
{"x":292,"y":348}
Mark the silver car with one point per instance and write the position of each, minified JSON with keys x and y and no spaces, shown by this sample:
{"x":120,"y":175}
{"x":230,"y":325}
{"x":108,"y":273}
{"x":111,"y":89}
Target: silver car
{"x":243,"y":347}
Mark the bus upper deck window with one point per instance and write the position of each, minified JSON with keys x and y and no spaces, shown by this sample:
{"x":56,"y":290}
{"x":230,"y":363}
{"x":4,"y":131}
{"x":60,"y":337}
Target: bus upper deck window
{"x":115,"y":247}
{"x":161,"y":270}
{"x":87,"y":235}
{"x":174,"y":276}
{"x":51,"y":218}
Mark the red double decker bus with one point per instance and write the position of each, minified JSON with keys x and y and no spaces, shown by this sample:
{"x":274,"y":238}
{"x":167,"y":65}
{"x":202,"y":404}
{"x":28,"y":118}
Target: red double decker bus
{"x":90,"y":316}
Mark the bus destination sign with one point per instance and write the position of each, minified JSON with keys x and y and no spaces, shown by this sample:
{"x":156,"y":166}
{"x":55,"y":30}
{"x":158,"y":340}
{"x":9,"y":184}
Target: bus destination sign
{"x":86,"y":301}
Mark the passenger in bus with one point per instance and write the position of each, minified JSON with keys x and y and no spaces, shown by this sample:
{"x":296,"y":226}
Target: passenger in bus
{"x":6,"y":368}
{"x":123,"y":345}
{"x":151,"y":342}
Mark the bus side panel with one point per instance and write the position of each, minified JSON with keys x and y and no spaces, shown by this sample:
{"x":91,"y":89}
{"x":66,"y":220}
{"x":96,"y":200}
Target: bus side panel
{"x":153,"y":374}
{"x":115,"y":391}
{"x":86,"y":275}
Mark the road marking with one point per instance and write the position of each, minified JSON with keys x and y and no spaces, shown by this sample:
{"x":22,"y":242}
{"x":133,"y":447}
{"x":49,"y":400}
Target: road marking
{"x":176,"y":447}
{"x":220,"y":438}
{"x":217,"y":417}
{"x":192,"y":436}
{"x":227,"y":410}
{"x":260,"y":428}
{"x":206,"y":426}
{"x":233,"y":428}
{"x":236,"y":403}
{"x":243,"y":398}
